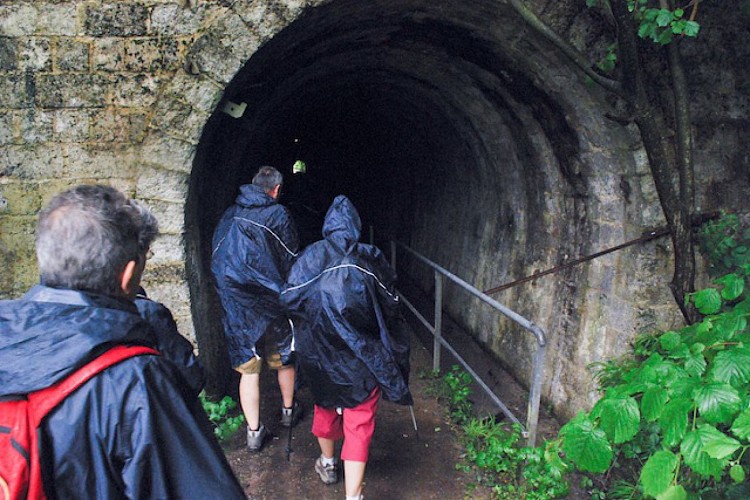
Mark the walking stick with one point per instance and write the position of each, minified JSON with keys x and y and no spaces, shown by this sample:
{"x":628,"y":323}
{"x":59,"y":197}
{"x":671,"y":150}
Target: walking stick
{"x":414,"y":421}
{"x":289,"y":441}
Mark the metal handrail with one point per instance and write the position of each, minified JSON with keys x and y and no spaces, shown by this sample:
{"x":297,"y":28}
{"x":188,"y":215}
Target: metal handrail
{"x":532,"y":415}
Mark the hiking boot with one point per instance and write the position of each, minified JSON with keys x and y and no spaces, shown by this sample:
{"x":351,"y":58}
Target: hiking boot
{"x":327,"y":473}
{"x":255,"y":438}
{"x":290,"y":417}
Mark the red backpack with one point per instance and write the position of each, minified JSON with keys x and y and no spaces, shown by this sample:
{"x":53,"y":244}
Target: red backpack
{"x":20,"y":467}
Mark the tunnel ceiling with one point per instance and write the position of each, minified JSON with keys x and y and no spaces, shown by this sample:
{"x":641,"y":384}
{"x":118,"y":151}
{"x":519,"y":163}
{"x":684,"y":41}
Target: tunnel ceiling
{"x":376,"y":96}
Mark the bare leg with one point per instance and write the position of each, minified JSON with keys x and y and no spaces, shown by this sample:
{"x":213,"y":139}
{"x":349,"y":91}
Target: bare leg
{"x":286,"y":384}
{"x":250,"y":399}
{"x":326,"y":447}
{"x":354,"y":474}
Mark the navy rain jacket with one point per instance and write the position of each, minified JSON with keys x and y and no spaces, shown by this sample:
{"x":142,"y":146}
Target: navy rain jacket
{"x":349,"y":332}
{"x":254,"y":245}
{"x":170,"y":343}
{"x":133,"y":431}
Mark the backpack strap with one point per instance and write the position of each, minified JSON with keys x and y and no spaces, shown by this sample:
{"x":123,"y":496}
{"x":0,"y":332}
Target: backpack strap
{"x":43,"y":401}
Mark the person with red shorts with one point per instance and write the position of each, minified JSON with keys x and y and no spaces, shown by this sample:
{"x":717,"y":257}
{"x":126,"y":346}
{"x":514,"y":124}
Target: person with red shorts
{"x":351,"y":343}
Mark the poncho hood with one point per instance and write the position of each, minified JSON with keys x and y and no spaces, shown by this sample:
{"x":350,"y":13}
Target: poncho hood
{"x":342,"y":225}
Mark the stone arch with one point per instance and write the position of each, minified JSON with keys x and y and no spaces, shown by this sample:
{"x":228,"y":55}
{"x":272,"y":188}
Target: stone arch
{"x":466,"y":124}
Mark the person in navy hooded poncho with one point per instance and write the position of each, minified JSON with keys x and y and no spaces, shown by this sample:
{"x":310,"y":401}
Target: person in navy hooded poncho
{"x":350,"y":339}
{"x":254,"y":245}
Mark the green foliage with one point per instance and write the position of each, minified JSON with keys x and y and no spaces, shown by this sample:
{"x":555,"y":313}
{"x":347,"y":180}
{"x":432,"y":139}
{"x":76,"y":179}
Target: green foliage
{"x":219,"y":413}
{"x":661,"y":25}
{"x":455,"y":390}
{"x":725,"y":242}
{"x":496,"y":453}
{"x":674,"y":418}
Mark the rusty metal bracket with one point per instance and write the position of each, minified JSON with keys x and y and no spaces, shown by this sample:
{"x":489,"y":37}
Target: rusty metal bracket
{"x":698,"y":219}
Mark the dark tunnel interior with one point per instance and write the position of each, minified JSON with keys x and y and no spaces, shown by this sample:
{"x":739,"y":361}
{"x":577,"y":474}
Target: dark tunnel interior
{"x":425,"y":117}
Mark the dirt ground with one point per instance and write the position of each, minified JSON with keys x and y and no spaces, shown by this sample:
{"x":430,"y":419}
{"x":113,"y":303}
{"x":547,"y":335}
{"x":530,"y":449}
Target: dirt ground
{"x":403,"y":464}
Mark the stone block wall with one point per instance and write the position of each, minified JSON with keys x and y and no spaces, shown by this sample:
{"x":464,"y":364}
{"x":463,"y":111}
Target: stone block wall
{"x":116,"y":92}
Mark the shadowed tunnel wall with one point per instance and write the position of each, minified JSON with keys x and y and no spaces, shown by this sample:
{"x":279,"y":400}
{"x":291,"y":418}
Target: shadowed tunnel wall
{"x":455,"y":130}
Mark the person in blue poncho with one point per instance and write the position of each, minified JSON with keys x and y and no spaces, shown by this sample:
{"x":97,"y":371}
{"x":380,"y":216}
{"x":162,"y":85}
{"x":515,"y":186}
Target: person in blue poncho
{"x":350,"y":339}
{"x":254,"y":245}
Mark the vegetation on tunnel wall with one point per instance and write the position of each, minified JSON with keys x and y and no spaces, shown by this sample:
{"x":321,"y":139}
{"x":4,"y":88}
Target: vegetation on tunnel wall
{"x":647,"y":34}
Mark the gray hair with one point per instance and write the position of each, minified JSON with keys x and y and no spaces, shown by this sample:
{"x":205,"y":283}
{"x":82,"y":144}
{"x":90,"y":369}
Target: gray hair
{"x":86,"y":236}
{"x":267,"y":178}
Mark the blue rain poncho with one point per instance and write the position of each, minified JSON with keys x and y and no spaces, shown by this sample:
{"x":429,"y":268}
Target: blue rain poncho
{"x":349,"y":333}
{"x":254,"y":246}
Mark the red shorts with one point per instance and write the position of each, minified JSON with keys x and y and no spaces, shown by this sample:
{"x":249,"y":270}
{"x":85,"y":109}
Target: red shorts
{"x":356,"y":426}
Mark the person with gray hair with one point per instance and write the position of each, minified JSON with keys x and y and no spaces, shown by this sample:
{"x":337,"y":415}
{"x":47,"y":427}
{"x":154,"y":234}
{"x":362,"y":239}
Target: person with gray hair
{"x":254,"y":245}
{"x":133,"y":430}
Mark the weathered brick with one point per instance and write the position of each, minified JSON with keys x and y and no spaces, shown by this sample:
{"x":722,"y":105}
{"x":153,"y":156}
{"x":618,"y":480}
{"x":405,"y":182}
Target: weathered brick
{"x":17,"y":20}
{"x":172,"y":19}
{"x":168,"y":153}
{"x":71,"y":91}
{"x":8,"y":54}
{"x":108,"y":54}
{"x":201,"y":93}
{"x":224,"y":49}
{"x":71,"y":55}
{"x":118,"y":19}
{"x":59,"y":19}
{"x":35,"y":54}
{"x":40,"y":161}
{"x":17,"y":90}
{"x":71,"y":125}
{"x":6,"y":127}
{"x":36,"y":126}
{"x":99,"y":161}
{"x":22,"y":198}
{"x":134,"y":91}
{"x":170,"y":214}
{"x":159,"y":184}
{"x":118,"y":125}
{"x":179,"y":119}
{"x":151,"y":55}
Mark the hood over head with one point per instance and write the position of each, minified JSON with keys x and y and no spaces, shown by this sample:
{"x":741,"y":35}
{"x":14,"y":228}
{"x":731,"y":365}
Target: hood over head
{"x":254,"y":196}
{"x":342,"y":225}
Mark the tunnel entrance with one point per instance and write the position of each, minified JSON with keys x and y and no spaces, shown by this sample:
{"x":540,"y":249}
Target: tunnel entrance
{"x":450,"y":127}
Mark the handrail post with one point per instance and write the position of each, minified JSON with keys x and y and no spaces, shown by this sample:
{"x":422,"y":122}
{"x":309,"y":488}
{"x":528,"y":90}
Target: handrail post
{"x":535,"y":393}
{"x":438,"y":322}
{"x":393,"y":254}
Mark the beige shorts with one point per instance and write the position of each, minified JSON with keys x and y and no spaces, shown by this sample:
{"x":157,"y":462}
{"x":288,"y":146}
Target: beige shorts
{"x":254,"y":366}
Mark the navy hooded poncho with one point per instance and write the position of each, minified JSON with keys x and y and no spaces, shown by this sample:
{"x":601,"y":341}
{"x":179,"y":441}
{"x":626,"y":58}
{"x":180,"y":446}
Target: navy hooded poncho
{"x":254,"y":246}
{"x":348,"y":328}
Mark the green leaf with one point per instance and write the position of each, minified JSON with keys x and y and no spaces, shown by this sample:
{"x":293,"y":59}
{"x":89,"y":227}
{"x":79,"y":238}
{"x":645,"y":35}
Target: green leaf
{"x":691,"y":28}
{"x":664,"y":17}
{"x":658,"y":472}
{"x":716,"y":402}
{"x":586,"y":445}
{"x":717,"y":444}
{"x":737,"y":473}
{"x":695,"y":364}
{"x":620,"y":418}
{"x":697,"y":459}
{"x":652,"y":403}
{"x":741,"y":425}
{"x":674,"y":420}
{"x":732,"y":286}
{"x":675,"y":492}
{"x":670,"y":340}
{"x":732,"y":366}
{"x":708,"y":301}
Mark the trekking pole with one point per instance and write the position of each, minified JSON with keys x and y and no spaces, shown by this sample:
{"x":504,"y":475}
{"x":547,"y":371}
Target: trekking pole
{"x":414,"y":421}
{"x":289,"y":443}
